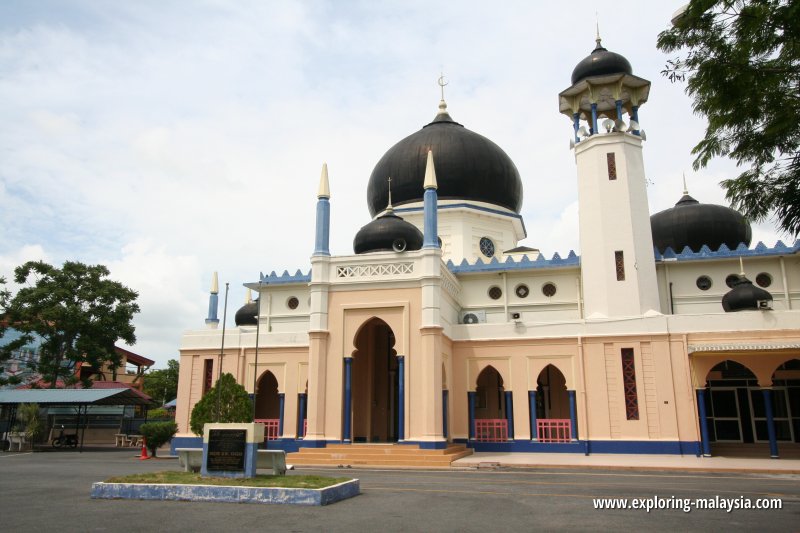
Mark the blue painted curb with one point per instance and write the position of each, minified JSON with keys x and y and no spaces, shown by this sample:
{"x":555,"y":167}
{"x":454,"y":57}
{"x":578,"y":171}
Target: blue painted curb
{"x":215,"y":493}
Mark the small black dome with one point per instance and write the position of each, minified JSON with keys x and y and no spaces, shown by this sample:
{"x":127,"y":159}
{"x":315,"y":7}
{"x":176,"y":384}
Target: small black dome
{"x":744,"y":295}
{"x":246,"y":315}
{"x":468,"y":166}
{"x":600,"y":62}
{"x":693,"y":224}
{"x":387,"y":233}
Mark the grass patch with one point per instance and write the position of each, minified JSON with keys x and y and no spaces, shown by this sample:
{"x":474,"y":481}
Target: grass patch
{"x":174,"y":477}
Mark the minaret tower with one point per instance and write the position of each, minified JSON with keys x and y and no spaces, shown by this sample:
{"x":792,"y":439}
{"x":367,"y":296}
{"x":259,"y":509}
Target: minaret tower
{"x":212,"y":322}
{"x":617,"y":260}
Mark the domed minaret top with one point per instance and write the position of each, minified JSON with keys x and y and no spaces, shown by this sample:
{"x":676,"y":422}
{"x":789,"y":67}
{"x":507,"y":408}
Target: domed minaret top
{"x":603,"y":85}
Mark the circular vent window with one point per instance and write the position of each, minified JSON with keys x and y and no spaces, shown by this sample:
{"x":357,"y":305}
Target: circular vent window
{"x":495,"y":293}
{"x":764,"y":280}
{"x":549,"y":289}
{"x":731,"y":279}
{"x":704,"y":283}
{"x":522,"y":291}
{"x":487,"y":247}
{"x":292,"y":303}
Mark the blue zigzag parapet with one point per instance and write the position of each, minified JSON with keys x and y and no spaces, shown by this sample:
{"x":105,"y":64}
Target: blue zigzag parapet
{"x":523,"y":263}
{"x":274,"y":279}
{"x":705,"y":253}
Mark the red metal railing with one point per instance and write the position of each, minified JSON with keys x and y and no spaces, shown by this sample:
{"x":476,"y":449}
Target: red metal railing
{"x":491,"y":430}
{"x":271,"y":426}
{"x":554,"y":430}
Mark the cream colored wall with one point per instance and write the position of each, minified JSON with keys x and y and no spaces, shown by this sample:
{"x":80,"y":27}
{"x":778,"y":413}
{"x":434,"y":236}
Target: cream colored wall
{"x":348,"y":312}
{"x":662,"y":379}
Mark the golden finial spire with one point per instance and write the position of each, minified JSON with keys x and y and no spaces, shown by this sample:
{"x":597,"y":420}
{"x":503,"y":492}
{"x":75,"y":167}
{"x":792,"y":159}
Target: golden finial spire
{"x":442,"y":103}
{"x":597,"y":25}
{"x":389,"y":208}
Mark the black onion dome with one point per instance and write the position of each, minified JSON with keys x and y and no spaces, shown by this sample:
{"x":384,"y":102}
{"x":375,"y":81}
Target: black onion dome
{"x":600,"y":62}
{"x":468,"y":166}
{"x":744,"y":295}
{"x":387,"y":233}
{"x":246,"y":315}
{"x":693,"y":224}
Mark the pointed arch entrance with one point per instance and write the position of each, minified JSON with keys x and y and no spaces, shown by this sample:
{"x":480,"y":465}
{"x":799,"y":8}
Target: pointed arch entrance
{"x":269,"y":405}
{"x":376,"y":385}
{"x":490,"y":408}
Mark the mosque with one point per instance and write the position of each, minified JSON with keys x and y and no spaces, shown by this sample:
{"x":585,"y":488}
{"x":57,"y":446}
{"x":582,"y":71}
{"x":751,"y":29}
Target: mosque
{"x":441,"y":334}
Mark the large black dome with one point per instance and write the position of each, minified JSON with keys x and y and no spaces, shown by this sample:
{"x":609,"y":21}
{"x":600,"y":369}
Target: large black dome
{"x":468,"y":166}
{"x":600,"y":62}
{"x":693,"y":224}
{"x":386,"y":233}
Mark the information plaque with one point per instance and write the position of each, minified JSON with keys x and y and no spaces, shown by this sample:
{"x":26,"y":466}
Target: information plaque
{"x":226,"y":450}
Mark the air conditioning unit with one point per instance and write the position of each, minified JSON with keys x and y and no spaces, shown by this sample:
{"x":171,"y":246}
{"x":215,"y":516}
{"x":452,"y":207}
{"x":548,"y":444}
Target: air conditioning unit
{"x":473,"y":317}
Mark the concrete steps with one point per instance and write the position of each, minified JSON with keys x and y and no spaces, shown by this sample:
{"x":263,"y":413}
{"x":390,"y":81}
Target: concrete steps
{"x":386,"y":455}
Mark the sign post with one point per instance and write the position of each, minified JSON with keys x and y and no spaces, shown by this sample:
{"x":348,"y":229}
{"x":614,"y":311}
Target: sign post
{"x":230,"y":450}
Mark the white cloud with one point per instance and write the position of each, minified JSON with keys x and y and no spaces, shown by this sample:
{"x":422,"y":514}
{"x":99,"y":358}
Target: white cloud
{"x":150,"y":133}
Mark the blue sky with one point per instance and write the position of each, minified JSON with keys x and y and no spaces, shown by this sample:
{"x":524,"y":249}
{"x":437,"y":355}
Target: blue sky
{"x":170,"y":139}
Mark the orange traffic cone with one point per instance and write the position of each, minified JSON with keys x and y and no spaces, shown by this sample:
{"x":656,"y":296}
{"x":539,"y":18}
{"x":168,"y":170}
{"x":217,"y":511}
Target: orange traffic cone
{"x":144,"y":450}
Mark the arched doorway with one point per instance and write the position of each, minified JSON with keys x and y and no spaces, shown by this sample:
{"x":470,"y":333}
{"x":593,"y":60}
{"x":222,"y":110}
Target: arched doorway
{"x":553,"y":417}
{"x":375,"y":384}
{"x":729,"y":409}
{"x":489,"y":407}
{"x":268,"y":405}
{"x":785,"y":402}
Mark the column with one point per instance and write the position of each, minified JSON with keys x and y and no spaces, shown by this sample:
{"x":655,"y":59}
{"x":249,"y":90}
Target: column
{"x":301,"y":414}
{"x":532,"y":414}
{"x":773,"y":439}
{"x":618,"y":103}
{"x":348,"y":410}
{"x":576,"y":125}
{"x":445,"y":394}
{"x":401,"y":398}
{"x":573,"y":414}
{"x":471,"y":403}
{"x":594,"y":118}
{"x":281,"y":403}
{"x":701,"y":409}
{"x":635,"y":117}
{"x":510,"y":414}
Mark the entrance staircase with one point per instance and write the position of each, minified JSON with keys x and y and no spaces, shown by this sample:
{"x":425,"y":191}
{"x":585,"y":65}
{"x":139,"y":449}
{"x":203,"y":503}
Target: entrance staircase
{"x":384,"y":455}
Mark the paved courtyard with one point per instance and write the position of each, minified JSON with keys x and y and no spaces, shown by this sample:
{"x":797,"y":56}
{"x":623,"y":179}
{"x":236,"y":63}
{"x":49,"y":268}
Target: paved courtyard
{"x":51,"y":490}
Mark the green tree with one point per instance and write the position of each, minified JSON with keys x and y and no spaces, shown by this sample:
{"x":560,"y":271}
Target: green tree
{"x":226,"y":401}
{"x":162,"y":384}
{"x":75,"y":311}
{"x":157,"y":434}
{"x":741,"y":63}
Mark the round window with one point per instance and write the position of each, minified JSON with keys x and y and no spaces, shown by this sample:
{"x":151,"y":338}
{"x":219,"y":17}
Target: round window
{"x":487,"y":247}
{"x":495,"y":293}
{"x":292,"y":303}
{"x":731,"y":280}
{"x":704,"y":283}
{"x":549,"y":289}
{"x":764,"y":280}
{"x":522,"y":291}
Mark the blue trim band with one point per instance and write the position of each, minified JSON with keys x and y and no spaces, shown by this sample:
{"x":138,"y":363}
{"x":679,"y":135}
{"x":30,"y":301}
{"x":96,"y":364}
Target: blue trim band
{"x":587,"y":447}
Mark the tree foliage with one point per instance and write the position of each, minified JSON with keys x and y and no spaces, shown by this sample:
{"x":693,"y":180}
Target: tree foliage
{"x":75,"y":311}
{"x":226,"y":401}
{"x":741,"y":64}
{"x":157,"y":434}
{"x":162,"y":384}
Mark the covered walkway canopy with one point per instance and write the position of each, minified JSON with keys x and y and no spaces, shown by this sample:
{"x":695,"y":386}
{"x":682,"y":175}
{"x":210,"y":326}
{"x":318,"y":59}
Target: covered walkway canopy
{"x":80,"y":398}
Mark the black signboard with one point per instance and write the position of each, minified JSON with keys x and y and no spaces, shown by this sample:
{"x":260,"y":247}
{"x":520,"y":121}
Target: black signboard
{"x":226,"y":450}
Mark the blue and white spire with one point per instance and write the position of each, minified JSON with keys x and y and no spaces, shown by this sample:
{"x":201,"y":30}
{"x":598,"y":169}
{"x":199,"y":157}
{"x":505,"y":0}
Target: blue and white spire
{"x":430,"y":201}
{"x":323,"y":229}
{"x":213,"y":303}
